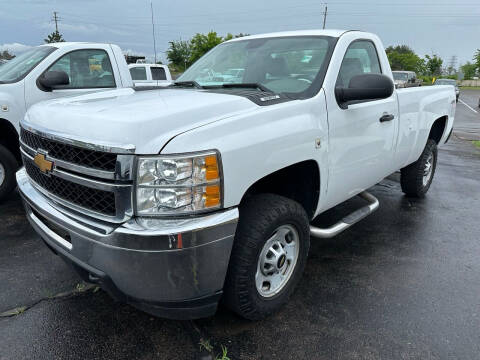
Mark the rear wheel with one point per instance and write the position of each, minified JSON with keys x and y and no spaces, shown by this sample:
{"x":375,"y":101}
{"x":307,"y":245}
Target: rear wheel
{"x":416,"y":178}
{"x":8,"y":166}
{"x":268,"y":256}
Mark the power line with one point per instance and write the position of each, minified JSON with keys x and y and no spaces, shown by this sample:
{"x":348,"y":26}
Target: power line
{"x":335,"y":14}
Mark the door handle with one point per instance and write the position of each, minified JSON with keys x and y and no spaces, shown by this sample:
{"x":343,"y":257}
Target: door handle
{"x":387,"y":117}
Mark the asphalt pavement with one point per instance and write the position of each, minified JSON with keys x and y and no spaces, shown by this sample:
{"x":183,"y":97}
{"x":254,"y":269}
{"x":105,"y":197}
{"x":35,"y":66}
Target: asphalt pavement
{"x":402,"y":284}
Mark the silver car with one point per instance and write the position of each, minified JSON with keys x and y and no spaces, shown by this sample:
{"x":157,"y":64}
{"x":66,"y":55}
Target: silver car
{"x":449,"y":82}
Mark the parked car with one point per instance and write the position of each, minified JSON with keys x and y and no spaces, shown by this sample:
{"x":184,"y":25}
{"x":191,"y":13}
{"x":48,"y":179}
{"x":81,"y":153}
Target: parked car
{"x":175,"y":197}
{"x":451,"y":82}
{"x":404,"y":79}
{"x":47,"y":72}
{"x":150,"y":74}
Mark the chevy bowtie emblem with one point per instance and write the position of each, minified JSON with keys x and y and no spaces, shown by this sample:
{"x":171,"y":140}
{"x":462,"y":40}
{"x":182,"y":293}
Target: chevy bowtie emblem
{"x":43,"y":164}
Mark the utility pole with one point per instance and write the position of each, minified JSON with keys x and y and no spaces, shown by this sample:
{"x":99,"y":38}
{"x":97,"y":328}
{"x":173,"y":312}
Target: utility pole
{"x":325,"y":16}
{"x":56,"y":19}
{"x":153,"y":33}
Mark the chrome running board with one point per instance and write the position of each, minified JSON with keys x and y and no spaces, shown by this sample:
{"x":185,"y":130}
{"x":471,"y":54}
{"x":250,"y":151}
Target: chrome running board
{"x":348,"y":220}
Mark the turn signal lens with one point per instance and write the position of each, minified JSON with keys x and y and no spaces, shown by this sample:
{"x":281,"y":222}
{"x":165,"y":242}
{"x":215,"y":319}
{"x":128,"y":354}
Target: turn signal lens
{"x":212,"y":196}
{"x":211,"y":168}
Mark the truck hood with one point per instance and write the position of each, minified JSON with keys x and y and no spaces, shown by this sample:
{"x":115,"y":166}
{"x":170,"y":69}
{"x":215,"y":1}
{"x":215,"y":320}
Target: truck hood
{"x":145,"y":119}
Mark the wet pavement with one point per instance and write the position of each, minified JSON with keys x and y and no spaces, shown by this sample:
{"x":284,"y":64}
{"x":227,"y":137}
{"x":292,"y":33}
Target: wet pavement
{"x":402,"y":284}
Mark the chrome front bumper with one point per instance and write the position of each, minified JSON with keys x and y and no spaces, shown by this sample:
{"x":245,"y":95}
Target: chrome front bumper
{"x":171,"y":267}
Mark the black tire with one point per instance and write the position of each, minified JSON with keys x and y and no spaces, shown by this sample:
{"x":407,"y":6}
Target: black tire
{"x":412,"y":176}
{"x":260,"y":216}
{"x":10,"y":166}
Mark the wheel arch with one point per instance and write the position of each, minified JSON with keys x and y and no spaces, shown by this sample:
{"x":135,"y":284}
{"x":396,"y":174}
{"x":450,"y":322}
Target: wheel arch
{"x":299,"y":182}
{"x":438,"y":128}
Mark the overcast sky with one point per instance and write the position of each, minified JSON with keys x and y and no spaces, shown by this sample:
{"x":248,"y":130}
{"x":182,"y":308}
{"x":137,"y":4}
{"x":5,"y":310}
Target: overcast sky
{"x":444,"y":27}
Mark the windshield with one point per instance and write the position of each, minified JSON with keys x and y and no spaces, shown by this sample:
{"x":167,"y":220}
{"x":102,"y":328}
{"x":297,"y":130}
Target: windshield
{"x":283,"y":65}
{"x":445,"y":82}
{"x":16,"y":69}
{"x":400,"y":76}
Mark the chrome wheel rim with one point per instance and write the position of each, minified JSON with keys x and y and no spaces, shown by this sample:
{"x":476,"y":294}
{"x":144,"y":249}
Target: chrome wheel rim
{"x":2,"y":174}
{"x":277,"y":261}
{"x":427,"y":170}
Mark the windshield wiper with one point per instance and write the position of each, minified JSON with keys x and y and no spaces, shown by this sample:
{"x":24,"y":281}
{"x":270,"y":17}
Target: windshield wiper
{"x":242,"y":85}
{"x":191,"y":83}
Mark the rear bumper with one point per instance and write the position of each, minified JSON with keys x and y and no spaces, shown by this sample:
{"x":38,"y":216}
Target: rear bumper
{"x":170,"y":268}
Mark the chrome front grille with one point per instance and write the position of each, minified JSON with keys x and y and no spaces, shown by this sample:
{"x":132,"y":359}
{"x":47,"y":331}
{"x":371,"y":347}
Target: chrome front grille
{"x":93,"y":199}
{"x":95,"y":180}
{"x":70,"y":153}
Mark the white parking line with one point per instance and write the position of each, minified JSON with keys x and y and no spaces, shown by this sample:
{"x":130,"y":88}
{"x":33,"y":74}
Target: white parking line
{"x":468,"y":106}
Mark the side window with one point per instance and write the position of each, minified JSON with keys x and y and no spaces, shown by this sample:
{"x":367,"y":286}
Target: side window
{"x":86,"y":69}
{"x":361,"y":58}
{"x":158,"y":73}
{"x":138,"y":73}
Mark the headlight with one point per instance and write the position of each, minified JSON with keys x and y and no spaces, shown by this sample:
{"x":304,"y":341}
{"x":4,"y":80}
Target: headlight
{"x":181,"y":184}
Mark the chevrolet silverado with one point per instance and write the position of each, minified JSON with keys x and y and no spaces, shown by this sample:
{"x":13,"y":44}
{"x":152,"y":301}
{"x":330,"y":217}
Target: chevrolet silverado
{"x":173,"y":199}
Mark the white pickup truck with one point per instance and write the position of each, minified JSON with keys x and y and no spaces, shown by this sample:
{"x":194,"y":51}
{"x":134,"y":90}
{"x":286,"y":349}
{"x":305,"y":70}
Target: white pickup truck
{"x":48,"y":72}
{"x":150,"y":74}
{"x":173,"y":198}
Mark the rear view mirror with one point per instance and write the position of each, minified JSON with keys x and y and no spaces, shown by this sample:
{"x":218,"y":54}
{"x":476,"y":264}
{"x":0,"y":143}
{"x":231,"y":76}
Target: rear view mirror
{"x":51,"y":79}
{"x":364,"y":87}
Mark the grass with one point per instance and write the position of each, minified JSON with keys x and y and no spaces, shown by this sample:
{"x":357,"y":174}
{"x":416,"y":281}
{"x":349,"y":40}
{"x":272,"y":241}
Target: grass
{"x":206,"y":345}
{"x":476,"y":143}
{"x":223,"y":356}
{"x":470,"y":87}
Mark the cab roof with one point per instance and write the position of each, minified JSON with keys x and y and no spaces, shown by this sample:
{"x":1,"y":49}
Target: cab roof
{"x":313,"y":32}
{"x":73,"y":43}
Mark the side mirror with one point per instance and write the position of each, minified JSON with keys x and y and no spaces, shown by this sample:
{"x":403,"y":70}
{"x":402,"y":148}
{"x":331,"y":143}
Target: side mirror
{"x":51,"y":79}
{"x":364,"y":87}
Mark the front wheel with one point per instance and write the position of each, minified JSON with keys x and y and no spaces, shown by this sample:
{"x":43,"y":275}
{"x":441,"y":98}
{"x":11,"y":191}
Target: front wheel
{"x":268,"y":256}
{"x":8,"y":166}
{"x":416,"y":178}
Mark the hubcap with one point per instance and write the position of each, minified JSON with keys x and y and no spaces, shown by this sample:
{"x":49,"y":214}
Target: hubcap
{"x":277,"y":261}
{"x":427,"y":171}
{"x":2,"y":174}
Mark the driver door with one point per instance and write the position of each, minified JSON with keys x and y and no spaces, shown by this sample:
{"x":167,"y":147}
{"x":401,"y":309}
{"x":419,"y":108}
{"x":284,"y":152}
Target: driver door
{"x":360,"y":145}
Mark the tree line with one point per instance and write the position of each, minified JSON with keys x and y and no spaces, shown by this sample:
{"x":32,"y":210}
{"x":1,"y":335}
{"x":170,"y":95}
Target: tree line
{"x":402,"y":57}
{"x":183,"y":53}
